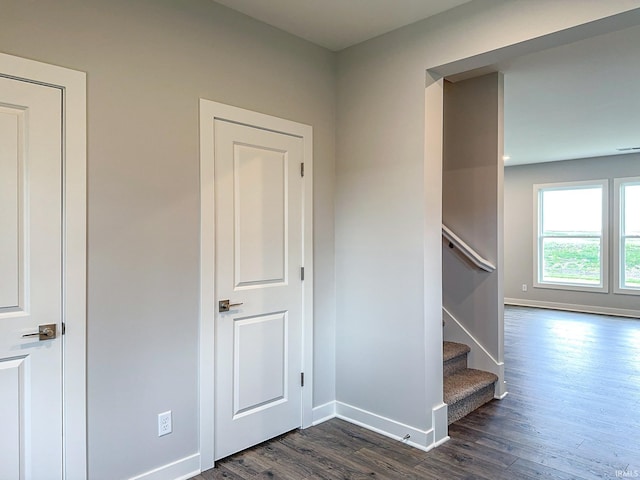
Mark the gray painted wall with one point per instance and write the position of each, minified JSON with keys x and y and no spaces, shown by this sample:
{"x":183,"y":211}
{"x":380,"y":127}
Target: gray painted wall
{"x":388,"y":233}
{"x":148,"y":62}
{"x":472,"y":205}
{"x":519,"y":227}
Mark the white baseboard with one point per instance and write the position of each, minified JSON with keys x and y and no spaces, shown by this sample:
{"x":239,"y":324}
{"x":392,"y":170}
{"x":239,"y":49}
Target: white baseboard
{"x":440,"y":422}
{"x":479,"y":358}
{"x":179,"y":470}
{"x":616,"y":312}
{"x":421,"y":439}
{"x":324,"y":412}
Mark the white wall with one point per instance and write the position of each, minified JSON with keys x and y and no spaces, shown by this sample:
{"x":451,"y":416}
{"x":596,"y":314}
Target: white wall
{"x":148,"y":62}
{"x":519,"y":231}
{"x":388,"y":299}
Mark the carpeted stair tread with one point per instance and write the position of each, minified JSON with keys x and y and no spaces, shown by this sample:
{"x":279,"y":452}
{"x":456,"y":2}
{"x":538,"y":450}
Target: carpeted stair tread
{"x":452,"y":350}
{"x":461,"y":385}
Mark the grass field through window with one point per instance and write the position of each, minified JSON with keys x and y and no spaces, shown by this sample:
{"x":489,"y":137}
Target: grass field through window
{"x":577,"y":260}
{"x":632,"y":261}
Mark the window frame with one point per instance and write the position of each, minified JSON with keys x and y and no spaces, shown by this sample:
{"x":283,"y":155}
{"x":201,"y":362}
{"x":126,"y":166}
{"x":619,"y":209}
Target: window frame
{"x":538,"y":238}
{"x":619,"y":236}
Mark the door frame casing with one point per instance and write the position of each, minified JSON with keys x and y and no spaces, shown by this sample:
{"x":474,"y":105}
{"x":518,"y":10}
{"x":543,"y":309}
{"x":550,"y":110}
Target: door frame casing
{"x":72,"y":84}
{"x":209,"y":112}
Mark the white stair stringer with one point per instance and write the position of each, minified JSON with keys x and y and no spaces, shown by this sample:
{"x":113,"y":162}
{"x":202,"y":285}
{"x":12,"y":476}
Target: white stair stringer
{"x":478,"y":358}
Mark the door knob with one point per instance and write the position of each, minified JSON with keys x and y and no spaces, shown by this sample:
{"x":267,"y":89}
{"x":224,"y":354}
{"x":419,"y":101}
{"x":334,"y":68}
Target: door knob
{"x":45,"y":332}
{"x":224,"y":305}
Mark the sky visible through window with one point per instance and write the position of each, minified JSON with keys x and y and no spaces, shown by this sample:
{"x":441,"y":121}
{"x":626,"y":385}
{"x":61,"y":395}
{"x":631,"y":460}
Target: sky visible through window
{"x":578,"y":210}
{"x":632,"y":209}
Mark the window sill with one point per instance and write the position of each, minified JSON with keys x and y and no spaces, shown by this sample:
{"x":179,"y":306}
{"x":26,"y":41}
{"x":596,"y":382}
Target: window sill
{"x":573,"y":288}
{"x":626,"y":291}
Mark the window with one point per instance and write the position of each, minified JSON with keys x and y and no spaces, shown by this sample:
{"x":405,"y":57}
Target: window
{"x":627,"y":234}
{"x":571,"y":240}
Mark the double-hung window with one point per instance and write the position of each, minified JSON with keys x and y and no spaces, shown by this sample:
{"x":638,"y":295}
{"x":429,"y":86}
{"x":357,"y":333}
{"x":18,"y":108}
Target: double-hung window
{"x":627,"y":235}
{"x":570,"y":247}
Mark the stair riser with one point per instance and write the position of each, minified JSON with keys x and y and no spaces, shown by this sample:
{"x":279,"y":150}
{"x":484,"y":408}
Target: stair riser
{"x":454,"y":365}
{"x":467,"y":405}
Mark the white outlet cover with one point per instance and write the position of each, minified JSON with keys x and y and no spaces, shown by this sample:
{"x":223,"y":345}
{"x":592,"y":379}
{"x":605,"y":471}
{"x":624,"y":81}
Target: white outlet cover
{"x":164,"y":423}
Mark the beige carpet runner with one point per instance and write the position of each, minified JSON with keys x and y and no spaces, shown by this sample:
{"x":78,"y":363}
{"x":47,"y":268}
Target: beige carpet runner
{"x":465,"y":389}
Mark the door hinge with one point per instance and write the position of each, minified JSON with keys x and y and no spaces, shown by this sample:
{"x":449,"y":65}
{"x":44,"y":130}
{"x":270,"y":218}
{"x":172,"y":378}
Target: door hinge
{"x":302,"y":379}
{"x":302,"y":273}
{"x":302,"y":169}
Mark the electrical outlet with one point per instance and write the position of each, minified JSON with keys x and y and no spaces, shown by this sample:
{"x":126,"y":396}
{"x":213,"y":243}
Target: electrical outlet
{"x":524,"y":287}
{"x":164,"y":423}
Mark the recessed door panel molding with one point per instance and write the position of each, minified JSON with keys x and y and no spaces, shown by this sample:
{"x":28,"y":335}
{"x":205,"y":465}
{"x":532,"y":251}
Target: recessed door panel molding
{"x":12,"y":135}
{"x":260,"y":361}
{"x":13,"y":413}
{"x":260,"y":215}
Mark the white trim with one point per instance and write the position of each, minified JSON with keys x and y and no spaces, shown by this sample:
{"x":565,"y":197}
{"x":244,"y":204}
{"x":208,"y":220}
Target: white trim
{"x":440,"y":423}
{"x":479,"y":357}
{"x":570,"y":307}
{"x":329,"y":410}
{"x":501,"y":397}
{"x":420,"y":439}
{"x":73,"y":86}
{"x":618,"y":215}
{"x":440,"y":442}
{"x":209,"y":112}
{"x":182,"y":469}
{"x":603,"y":287}
{"x":324,"y":413}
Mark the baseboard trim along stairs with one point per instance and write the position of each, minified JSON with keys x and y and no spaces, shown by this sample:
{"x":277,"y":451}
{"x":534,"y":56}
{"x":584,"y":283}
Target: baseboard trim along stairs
{"x":465,"y":389}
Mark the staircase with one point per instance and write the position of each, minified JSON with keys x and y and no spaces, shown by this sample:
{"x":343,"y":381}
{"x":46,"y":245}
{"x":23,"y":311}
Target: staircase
{"x":465,"y":389}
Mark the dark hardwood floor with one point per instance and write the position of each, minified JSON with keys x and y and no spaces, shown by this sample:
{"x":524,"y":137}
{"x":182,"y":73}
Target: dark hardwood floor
{"x":573,"y":412}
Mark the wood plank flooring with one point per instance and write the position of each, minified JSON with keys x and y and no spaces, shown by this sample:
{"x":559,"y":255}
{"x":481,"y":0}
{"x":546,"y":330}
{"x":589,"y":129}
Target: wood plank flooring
{"x":573,"y":412}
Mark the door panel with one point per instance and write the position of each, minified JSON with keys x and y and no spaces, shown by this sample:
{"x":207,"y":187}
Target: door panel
{"x":31,"y":280}
{"x":11,"y":130}
{"x":12,"y":414}
{"x":258,"y":214}
{"x":260,"y":363}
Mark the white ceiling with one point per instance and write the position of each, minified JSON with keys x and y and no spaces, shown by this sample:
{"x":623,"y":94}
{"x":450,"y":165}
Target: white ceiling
{"x":337,"y":24}
{"x":576,"y":101}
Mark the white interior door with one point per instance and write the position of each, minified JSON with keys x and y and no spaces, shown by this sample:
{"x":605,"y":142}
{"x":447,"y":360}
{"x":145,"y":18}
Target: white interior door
{"x":30,"y":280}
{"x":258,"y":225}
